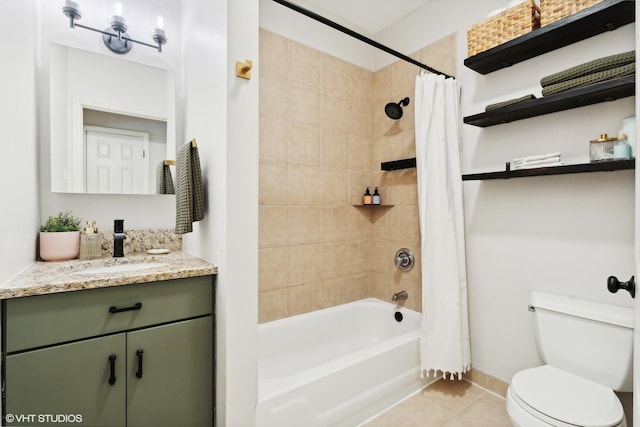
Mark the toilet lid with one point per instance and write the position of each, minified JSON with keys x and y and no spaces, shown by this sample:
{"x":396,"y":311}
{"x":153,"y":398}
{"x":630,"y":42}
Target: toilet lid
{"x":567,"y":397}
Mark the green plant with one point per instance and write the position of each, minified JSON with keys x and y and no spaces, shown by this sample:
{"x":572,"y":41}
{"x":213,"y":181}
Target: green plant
{"x":64,"y":221}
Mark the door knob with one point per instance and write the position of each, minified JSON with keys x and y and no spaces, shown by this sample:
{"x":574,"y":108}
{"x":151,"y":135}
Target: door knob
{"x":613,"y":284}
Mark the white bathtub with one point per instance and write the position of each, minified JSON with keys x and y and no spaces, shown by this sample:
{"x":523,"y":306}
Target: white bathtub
{"x":337,"y":367}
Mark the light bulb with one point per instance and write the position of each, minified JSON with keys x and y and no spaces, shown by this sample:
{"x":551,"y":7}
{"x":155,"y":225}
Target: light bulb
{"x":160,"y":22}
{"x":117,"y":8}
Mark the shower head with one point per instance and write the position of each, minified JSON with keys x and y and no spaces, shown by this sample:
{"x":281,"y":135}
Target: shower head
{"x":394,"y":110}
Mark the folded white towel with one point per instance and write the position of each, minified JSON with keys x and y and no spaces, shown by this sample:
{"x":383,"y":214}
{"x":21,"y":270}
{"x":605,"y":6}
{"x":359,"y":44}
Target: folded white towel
{"x":538,"y":162}
{"x":536,"y":157}
{"x":542,"y":165}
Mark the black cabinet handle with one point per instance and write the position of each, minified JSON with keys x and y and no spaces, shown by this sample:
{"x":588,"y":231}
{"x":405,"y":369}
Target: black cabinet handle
{"x":139,"y":371}
{"x":112,"y":365}
{"x":613,"y":284}
{"x":114,"y":309}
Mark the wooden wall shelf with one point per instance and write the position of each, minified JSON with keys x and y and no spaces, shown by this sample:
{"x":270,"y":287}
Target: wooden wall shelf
{"x":398,"y":164}
{"x":613,"y":165}
{"x":600,"y":18}
{"x":579,"y":97}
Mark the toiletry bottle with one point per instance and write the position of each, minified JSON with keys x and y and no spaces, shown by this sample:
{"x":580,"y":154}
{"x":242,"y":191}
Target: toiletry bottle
{"x":376,"y":197}
{"x":366,"y":199}
{"x":621,"y":148}
{"x":629,"y":128}
{"x":90,"y":242}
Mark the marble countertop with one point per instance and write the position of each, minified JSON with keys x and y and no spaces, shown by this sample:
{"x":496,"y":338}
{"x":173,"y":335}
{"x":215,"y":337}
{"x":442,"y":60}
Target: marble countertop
{"x":64,"y":276}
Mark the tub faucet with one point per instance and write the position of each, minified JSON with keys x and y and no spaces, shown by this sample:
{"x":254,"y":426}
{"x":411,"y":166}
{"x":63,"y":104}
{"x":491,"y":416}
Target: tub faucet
{"x":118,"y":238}
{"x":402,"y":295}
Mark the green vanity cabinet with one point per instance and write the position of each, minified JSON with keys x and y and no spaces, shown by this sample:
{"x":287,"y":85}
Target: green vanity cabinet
{"x":149,"y":362}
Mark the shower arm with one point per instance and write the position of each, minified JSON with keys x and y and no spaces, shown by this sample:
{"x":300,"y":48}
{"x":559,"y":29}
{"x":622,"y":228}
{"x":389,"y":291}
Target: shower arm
{"x":358,"y":36}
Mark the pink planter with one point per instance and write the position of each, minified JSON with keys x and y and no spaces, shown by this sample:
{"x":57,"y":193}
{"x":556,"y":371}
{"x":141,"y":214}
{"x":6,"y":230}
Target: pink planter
{"x":60,"y":246}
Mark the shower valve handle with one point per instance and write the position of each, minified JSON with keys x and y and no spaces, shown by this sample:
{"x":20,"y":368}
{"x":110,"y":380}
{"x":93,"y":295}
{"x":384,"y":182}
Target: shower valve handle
{"x":404,"y":259}
{"x":613,"y":284}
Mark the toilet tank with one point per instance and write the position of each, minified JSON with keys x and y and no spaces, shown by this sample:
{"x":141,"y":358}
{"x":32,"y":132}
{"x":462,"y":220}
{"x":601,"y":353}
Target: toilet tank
{"x":589,"y":339}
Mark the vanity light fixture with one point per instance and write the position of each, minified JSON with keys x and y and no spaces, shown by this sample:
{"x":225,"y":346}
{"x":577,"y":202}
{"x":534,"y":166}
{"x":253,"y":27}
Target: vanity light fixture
{"x":115,"y":37}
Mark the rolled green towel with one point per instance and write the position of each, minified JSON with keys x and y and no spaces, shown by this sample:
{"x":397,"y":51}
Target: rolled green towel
{"x":590,"y":79}
{"x":501,"y":104}
{"x":597,"y":65}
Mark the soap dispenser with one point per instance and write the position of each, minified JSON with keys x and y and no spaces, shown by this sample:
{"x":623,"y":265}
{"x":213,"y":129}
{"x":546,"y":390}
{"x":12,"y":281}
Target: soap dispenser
{"x":90,"y":242}
{"x":366,"y":199}
{"x":376,"y":197}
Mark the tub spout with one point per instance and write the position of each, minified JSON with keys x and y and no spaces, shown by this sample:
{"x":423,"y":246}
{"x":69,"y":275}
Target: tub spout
{"x":402,"y":295}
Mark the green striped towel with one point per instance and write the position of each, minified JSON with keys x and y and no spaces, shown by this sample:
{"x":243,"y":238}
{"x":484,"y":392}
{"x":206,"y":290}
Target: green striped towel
{"x":509,"y":102}
{"x":189,"y":189}
{"x":597,"y":65}
{"x":164,"y":180}
{"x":590,"y":79}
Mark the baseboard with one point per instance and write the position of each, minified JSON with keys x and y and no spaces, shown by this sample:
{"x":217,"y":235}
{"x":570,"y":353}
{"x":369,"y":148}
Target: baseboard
{"x":486,"y":381}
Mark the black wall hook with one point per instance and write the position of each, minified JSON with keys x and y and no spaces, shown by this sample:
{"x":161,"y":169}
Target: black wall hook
{"x":613,"y":284}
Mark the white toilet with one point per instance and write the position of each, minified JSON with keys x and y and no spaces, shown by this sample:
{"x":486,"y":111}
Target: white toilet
{"x":588,"y":348}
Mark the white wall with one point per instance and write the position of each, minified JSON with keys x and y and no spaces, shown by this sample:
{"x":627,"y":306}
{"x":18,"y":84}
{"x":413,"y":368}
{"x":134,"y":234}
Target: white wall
{"x":222,"y":115}
{"x":19,"y":172}
{"x":139,"y":212}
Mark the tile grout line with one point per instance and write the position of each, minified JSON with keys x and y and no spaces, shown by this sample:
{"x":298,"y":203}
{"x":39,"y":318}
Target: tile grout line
{"x":485,"y":389}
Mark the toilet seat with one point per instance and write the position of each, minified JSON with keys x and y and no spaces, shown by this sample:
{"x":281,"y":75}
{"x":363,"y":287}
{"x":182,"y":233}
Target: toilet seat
{"x":563,"y":399}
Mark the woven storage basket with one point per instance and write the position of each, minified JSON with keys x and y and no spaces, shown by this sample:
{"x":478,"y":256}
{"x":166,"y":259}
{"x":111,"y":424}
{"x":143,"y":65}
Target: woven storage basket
{"x":552,"y":10}
{"x":507,"y":25}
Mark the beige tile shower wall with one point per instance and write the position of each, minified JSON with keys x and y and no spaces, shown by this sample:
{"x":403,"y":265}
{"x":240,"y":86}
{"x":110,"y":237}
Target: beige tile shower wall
{"x":315,"y":247}
{"x":398,"y":226}
{"x":323,"y":135}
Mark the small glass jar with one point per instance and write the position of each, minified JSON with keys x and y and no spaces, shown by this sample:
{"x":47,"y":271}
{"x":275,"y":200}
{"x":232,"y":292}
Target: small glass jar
{"x":90,"y":242}
{"x":621,"y":148}
{"x":601,"y":149}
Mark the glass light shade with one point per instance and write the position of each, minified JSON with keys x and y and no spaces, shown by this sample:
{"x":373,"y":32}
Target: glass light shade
{"x":116,"y":9}
{"x":116,"y":12}
{"x":71,"y":9}
{"x":160,"y":22}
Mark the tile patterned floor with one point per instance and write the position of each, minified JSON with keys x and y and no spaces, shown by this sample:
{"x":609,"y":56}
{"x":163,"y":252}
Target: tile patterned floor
{"x":447,"y":404}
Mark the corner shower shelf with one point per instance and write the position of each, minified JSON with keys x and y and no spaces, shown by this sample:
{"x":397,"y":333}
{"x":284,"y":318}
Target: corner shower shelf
{"x":372,"y":205}
{"x":609,"y":90}
{"x":613,"y":165}
{"x":597,"y":19}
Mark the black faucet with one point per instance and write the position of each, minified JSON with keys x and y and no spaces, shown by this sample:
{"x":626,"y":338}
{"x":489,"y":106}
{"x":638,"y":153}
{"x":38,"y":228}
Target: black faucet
{"x":118,"y":238}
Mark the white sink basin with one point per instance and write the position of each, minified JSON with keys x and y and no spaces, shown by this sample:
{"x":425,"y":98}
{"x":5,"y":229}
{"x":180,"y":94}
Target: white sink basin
{"x":122,"y":268}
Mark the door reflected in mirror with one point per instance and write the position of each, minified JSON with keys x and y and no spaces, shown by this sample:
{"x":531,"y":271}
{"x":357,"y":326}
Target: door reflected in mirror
{"x":112,"y":123}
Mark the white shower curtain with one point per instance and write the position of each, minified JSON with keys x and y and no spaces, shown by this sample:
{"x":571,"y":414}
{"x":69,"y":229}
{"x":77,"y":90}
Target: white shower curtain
{"x":444,"y":343}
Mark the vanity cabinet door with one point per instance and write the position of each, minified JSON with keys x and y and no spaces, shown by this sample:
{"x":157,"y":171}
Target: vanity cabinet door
{"x":71,"y":380}
{"x":170,"y":375}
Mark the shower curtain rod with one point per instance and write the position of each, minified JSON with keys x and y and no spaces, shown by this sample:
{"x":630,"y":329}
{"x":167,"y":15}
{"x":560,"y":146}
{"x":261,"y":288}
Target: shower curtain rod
{"x":358,"y":36}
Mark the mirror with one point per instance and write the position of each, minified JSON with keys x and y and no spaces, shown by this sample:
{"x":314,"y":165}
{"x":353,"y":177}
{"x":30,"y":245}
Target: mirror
{"x":112,"y":123}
